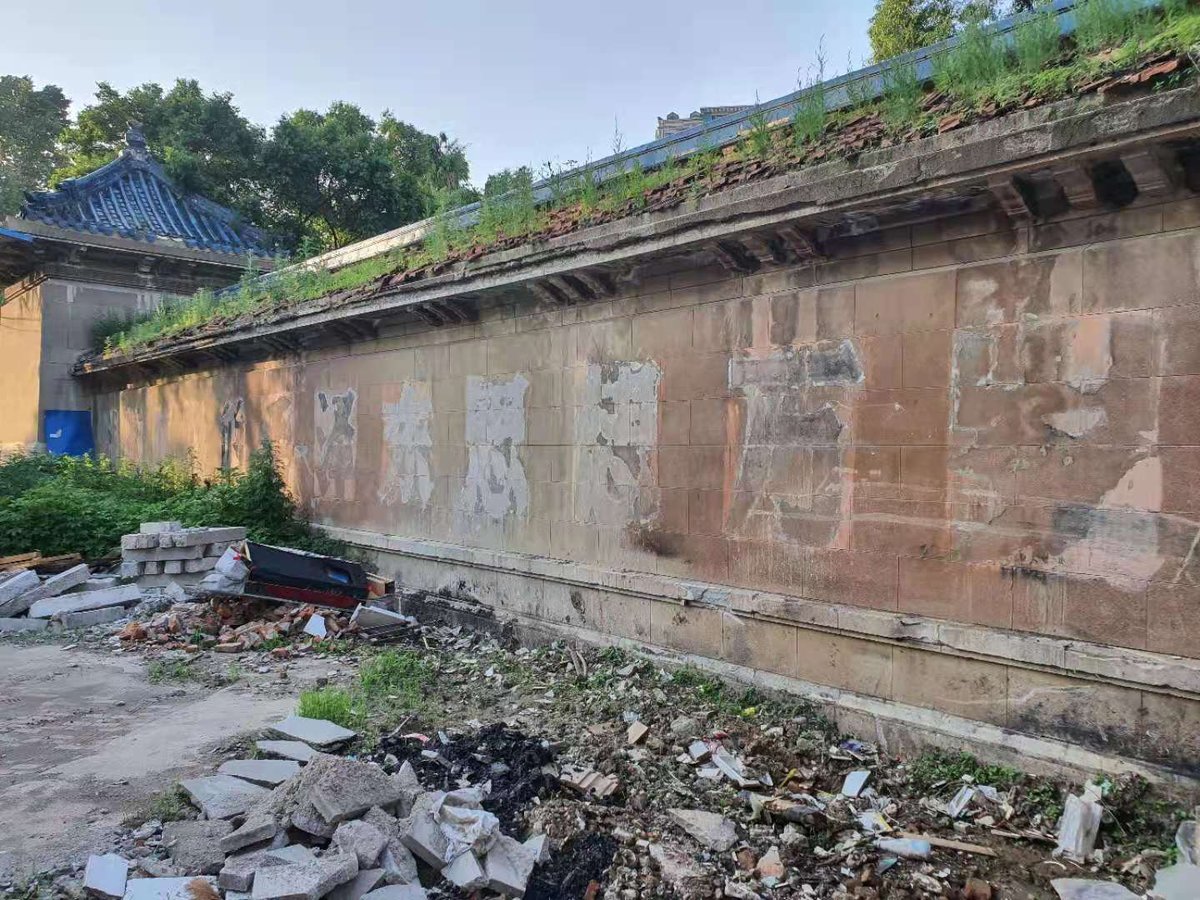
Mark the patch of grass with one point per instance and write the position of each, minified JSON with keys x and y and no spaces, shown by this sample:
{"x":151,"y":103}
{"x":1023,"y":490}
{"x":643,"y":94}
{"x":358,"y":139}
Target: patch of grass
{"x":395,"y":676}
{"x":1106,"y":23}
{"x":329,"y":703}
{"x":811,"y":115}
{"x":940,"y":765}
{"x":1037,"y":42}
{"x":972,"y":65}
{"x":160,"y":671}
{"x":903,"y":95}
{"x":169,"y":806}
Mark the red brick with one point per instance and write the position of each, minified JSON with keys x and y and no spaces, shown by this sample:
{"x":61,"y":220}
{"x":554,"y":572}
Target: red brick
{"x":1179,"y":410}
{"x":1173,"y":612}
{"x":1095,"y":610}
{"x":927,"y":357}
{"x":921,"y":302}
{"x":883,"y":361}
{"x":908,"y":416}
{"x":953,"y":590}
{"x":1005,"y":292}
{"x":1142,"y":273}
{"x":1181,"y":480}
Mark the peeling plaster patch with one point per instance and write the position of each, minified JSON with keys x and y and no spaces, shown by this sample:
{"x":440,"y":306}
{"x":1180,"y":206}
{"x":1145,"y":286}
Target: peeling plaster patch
{"x":821,"y":365}
{"x":789,"y":482}
{"x":232,"y":423}
{"x":1076,"y":422}
{"x":495,"y":485}
{"x":1088,"y":356}
{"x":335,"y":417}
{"x":616,"y":429}
{"x":1121,"y":542}
{"x":407,"y":444}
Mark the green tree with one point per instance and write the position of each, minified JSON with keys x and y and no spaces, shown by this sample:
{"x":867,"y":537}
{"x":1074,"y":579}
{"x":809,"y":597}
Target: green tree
{"x":438,"y":163}
{"x":508,"y":180}
{"x":30,"y":122}
{"x":333,"y":175}
{"x":203,"y":141}
{"x":902,"y":25}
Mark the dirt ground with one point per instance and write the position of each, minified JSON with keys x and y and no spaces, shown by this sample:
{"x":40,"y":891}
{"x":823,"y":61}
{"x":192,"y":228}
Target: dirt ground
{"x":88,"y":740}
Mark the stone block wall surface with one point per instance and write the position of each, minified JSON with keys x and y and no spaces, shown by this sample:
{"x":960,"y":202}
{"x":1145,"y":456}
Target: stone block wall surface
{"x":967,"y":421}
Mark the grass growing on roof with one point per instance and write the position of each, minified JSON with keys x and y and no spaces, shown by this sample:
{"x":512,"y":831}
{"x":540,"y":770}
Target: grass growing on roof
{"x":983,"y":71}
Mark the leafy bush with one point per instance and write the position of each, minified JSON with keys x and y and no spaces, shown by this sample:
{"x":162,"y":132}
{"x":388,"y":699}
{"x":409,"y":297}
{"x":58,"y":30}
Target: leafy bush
{"x":59,"y":504}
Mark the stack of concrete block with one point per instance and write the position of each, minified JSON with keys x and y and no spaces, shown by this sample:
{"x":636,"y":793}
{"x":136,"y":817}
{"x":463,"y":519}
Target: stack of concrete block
{"x":167,"y":549}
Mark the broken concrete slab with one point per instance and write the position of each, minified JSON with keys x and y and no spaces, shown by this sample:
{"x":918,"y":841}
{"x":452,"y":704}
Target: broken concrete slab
{"x":465,"y":872}
{"x":266,"y":772}
{"x":363,"y":883}
{"x":316,"y":627}
{"x":307,"y":880}
{"x":190,"y":537}
{"x":349,"y":788}
{"x":195,"y":845}
{"x":51,"y":587}
{"x":14,"y":586}
{"x":399,"y":865}
{"x":710,"y":829}
{"x":256,"y":829}
{"x":315,"y":732}
{"x":1178,"y":882}
{"x":105,"y":876}
{"x":49,"y":607}
{"x":89,"y":617}
{"x":421,"y":834}
{"x":539,"y":846}
{"x":167,"y":888}
{"x":362,"y":839}
{"x":295,"y":750}
{"x":398,"y":892}
{"x":159,"y":527}
{"x":238,"y":872}
{"x":222,"y":796}
{"x":13,"y":626}
{"x":508,"y":865}
{"x":374,"y":617}
{"x":678,"y":870}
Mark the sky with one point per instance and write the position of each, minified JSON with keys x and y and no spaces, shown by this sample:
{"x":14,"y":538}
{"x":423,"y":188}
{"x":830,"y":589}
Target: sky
{"x":519,"y":82}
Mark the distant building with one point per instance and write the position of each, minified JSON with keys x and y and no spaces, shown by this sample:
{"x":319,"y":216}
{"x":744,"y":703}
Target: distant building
{"x":110,"y":243}
{"x":673,"y":124}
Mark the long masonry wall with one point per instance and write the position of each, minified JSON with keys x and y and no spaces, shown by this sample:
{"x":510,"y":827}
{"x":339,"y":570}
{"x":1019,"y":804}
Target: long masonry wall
{"x":955,"y":467}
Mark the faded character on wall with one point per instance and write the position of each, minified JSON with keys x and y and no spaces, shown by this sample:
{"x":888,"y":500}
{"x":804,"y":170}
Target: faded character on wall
{"x":336,"y":425}
{"x":616,"y":431}
{"x":789,"y":480}
{"x":407,"y":444}
{"x":495,"y":486}
{"x":232,"y":423}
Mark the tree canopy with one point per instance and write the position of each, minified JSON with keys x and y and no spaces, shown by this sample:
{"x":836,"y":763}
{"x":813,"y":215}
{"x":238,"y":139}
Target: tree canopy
{"x":30,"y":121}
{"x":899,"y":26}
{"x":317,"y":179}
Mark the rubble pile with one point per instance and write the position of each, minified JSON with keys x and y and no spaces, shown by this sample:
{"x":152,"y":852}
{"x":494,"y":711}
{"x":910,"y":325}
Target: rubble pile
{"x":74,"y":598}
{"x":166,"y":549}
{"x":313,"y":824}
{"x":231,"y":625}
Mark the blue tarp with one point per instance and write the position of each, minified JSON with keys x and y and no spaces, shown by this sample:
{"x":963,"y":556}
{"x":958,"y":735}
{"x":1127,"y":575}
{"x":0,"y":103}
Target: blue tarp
{"x":69,"y":432}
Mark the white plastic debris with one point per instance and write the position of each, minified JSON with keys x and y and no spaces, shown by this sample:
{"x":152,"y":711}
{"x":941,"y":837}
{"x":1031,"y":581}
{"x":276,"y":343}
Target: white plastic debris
{"x":1187,"y":839}
{"x":909,"y":848}
{"x":855,"y":782}
{"x":465,"y":823}
{"x":1078,"y":827}
{"x":1087,"y":889}
{"x":1178,"y":882}
{"x":315,"y":626}
{"x":228,"y":575}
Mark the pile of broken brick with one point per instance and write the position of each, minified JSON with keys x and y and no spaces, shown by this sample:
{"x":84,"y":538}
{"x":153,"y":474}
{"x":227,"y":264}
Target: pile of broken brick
{"x":234,"y":626}
{"x":308,"y":824}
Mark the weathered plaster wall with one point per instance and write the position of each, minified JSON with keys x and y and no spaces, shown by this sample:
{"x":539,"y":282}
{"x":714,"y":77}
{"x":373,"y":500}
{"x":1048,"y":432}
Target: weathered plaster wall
{"x":966,"y":421}
{"x":20,"y":347}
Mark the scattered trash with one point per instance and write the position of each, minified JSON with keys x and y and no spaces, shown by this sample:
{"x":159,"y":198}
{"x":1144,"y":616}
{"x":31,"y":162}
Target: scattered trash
{"x":855,"y":782}
{"x":1079,"y":826}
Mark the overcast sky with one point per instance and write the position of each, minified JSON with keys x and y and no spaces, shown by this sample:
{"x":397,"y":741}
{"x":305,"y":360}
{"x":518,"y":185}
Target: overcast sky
{"x":517,"y":81}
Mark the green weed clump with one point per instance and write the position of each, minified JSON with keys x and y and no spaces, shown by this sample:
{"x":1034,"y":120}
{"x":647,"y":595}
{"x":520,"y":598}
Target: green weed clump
{"x":1100,"y":24}
{"x":332,"y":704}
{"x":397,"y":677}
{"x":59,"y":504}
{"x":974,"y":64}
{"x":903,"y":95}
{"x":939,"y":765}
{"x":1037,"y":42}
{"x":811,"y":115}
